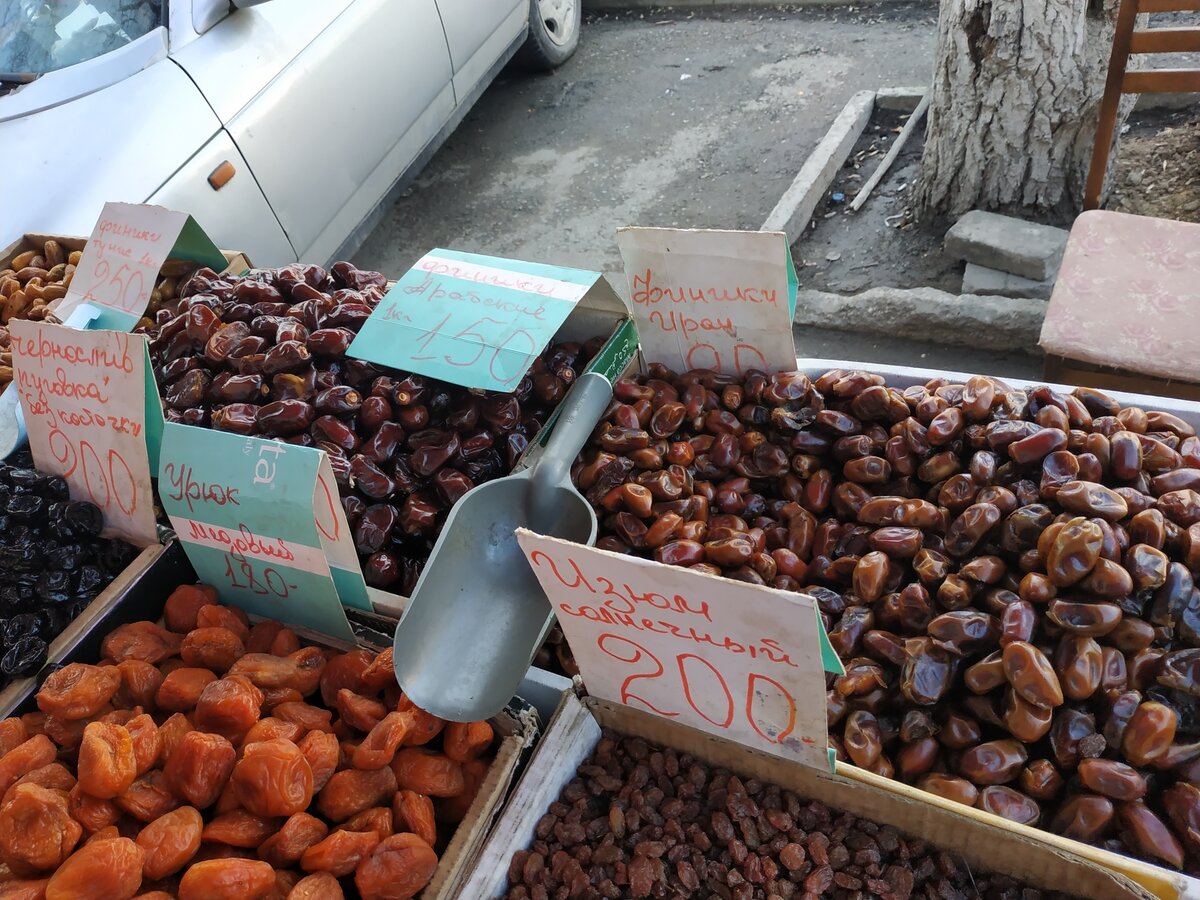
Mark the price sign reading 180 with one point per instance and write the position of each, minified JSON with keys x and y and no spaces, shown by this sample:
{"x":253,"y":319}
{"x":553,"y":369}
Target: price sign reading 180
{"x":732,"y":659}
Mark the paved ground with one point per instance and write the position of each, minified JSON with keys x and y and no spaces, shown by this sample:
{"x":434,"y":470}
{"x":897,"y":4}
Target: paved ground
{"x":672,"y":119}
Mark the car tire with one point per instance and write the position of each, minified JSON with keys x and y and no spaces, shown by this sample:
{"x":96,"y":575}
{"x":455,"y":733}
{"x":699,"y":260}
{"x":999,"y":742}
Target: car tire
{"x":554,"y":27}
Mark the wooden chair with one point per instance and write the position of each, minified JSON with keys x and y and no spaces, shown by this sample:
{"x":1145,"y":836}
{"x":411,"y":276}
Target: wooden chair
{"x":1127,"y":41}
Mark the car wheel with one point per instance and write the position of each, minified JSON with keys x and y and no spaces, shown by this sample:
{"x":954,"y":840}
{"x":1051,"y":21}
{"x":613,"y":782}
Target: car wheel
{"x":553,"y":33}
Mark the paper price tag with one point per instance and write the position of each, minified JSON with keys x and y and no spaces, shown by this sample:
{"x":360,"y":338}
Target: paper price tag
{"x":122,"y":259}
{"x":476,"y":321}
{"x":720,"y":300}
{"x":732,"y":659}
{"x":84,"y":398}
{"x":256,"y":521}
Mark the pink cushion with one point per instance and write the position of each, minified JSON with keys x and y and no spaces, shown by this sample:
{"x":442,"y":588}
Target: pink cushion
{"x":1128,"y":295}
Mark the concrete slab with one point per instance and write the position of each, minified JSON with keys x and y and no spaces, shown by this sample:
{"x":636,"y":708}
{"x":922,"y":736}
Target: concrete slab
{"x":1006,"y":243}
{"x":982,"y":280}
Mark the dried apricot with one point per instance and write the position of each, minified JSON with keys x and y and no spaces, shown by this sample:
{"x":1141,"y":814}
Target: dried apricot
{"x":270,"y":728}
{"x":466,"y":740}
{"x":107,"y":765}
{"x":100,"y":870}
{"x":321,"y":750}
{"x":317,"y":886}
{"x":34,"y":722}
{"x":34,"y":753}
{"x":224,"y":617}
{"x":199,"y":767}
{"x":170,"y":842}
{"x":428,"y":772}
{"x":286,"y":643}
{"x":182,"y":688}
{"x":297,"y":834}
{"x":381,"y":673}
{"x":141,"y":640}
{"x":273,"y":779}
{"x":148,"y":798}
{"x":377,"y":819}
{"x":352,"y":790}
{"x":146,"y":742}
{"x":285,"y":882}
{"x":107,"y":833}
{"x":423,"y":727}
{"x":77,"y":690}
{"x":229,"y":707}
{"x":273,"y":697}
{"x":262,"y":635}
{"x":24,"y":889}
{"x":211,"y":648}
{"x":340,"y":853}
{"x":54,"y":777}
{"x":455,"y":809}
{"x":358,"y":711}
{"x":397,"y":869}
{"x":378,"y":747}
{"x":36,"y":831}
{"x":93,"y":814}
{"x":68,"y":733}
{"x":140,"y":682}
{"x":310,"y":718}
{"x":170,"y":733}
{"x":227,"y":879}
{"x":414,"y":812}
{"x":300,"y":671}
{"x":344,"y":671}
{"x":240,"y":829}
{"x":183,"y":605}
{"x":13,"y":733}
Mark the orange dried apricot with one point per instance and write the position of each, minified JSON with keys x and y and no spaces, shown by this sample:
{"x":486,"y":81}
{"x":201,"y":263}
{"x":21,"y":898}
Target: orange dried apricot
{"x":462,"y":741}
{"x":170,"y":733}
{"x":183,"y":605}
{"x":13,"y":733}
{"x":270,"y":728}
{"x":340,"y":853}
{"x":397,"y":869}
{"x":455,"y":809}
{"x":34,"y":753}
{"x":107,"y":833}
{"x":100,"y":870}
{"x":273,"y":697}
{"x":262,"y":635}
{"x":24,"y":889}
{"x":300,"y":671}
{"x":297,"y":834}
{"x":414,"y":812}
{"x":93,"y":814}
{"x":182,"y":688}
{"x":55,"y":777}
{"x":317,"y":886}
{"x":352,"y":790}
{"x":381,"y":673}
{"x":68,"y":733}
{"x":146,"y":742}
{"x":77,"y":690}
{"x":211,"y":648}
{"x":107,"y":765}
{"x":199,"y":767}
{"x":170,"y":842}
{"x":140,"y":682}
{"x":428,"y":772}
{"x":423,"y":726}
{"x":36,"y":831}
{"x":285,"y":882}
{"x":321,"y":750}
{"x":229,"y":707}
{"x":273,"y":779}
{"x":240,"y":829}
{"x":227,"y":879}
{"x":377,"y":819}
{"x":380,"y":745}
{"x":310,"y":718}
{"x":148,"y":798}
{"x":141,"y":640}
{"x":344,"y":671}
{"x":224,"y":617}
{"x":358,"y":711}
{"x":286,"y":643}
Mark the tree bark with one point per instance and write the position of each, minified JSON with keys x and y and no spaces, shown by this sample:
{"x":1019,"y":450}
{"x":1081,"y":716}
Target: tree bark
{"x":1016,"y":93}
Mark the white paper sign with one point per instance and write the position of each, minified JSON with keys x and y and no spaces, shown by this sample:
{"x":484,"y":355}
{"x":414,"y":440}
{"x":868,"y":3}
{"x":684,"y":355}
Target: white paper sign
{"x":732,"y":659}
{"x":710,"y":299}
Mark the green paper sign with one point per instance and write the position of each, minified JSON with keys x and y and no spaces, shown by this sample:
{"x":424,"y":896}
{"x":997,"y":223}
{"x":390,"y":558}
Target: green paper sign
{"x":476,"y":321}
{"x":256,"y":519}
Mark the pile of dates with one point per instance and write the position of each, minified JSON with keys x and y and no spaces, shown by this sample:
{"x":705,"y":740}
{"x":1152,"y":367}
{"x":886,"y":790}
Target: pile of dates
{"x":645,"y":821}
{"x":265,"y":355}
{"x":206,"y":759}
{"x":1008,"y":575}
{"x":54,"y":561}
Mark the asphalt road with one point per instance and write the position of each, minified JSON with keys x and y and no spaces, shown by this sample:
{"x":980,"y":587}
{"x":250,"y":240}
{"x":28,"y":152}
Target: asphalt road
{"x":671,"y":119}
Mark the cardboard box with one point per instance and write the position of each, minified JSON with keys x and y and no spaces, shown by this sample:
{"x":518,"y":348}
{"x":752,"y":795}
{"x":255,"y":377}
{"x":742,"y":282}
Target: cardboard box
{"x":575,"y":731}
{"x":143,"y":595}
{"x":1063,"y":369}
{"x":238,"y":262}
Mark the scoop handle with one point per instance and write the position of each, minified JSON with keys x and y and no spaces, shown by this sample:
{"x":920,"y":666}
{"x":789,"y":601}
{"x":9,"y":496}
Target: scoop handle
{"x":581,"y":410}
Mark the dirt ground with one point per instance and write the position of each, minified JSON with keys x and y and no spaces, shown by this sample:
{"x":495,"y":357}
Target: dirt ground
{"x":1157,"y":169}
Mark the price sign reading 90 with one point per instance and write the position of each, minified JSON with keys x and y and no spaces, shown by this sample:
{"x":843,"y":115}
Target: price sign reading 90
{"x":728,"y":658}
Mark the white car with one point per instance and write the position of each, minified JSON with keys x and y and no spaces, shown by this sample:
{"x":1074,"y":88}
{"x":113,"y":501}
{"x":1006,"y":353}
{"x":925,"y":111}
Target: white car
{"x":284,"y":127}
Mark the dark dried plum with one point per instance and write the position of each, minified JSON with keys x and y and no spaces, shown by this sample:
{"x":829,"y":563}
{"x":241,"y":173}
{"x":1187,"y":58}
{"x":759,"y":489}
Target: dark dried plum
{"x":24,"y":657}
{"x":54,"y":586}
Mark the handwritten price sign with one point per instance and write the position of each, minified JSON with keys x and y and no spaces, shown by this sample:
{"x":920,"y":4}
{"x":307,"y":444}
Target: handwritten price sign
{"x":259,"y":519}
{"x":719,"y":300}
{"x":733,"y":659}
{"x":122,"y":258}
{"x":83,"y":397}
{"x":477,"y":321}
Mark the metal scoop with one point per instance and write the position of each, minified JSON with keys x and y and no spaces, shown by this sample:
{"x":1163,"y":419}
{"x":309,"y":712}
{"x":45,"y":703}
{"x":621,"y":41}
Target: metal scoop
{"x":478,"y":615}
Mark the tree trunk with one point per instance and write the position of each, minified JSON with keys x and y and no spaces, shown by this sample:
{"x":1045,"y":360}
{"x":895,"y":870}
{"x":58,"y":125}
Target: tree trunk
{"x":1016,"y":94}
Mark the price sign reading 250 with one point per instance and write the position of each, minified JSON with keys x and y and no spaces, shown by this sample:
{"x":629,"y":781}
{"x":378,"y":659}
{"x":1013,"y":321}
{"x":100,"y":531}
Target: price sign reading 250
{"x":122,"y":288}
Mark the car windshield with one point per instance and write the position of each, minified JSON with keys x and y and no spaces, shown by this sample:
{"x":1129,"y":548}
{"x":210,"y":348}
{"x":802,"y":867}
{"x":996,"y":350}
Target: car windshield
{"x":39,"y":36}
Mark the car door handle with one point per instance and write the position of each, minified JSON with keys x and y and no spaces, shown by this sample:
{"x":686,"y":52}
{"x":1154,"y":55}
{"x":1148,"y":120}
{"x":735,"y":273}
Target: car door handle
{"x":220,"y":176}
